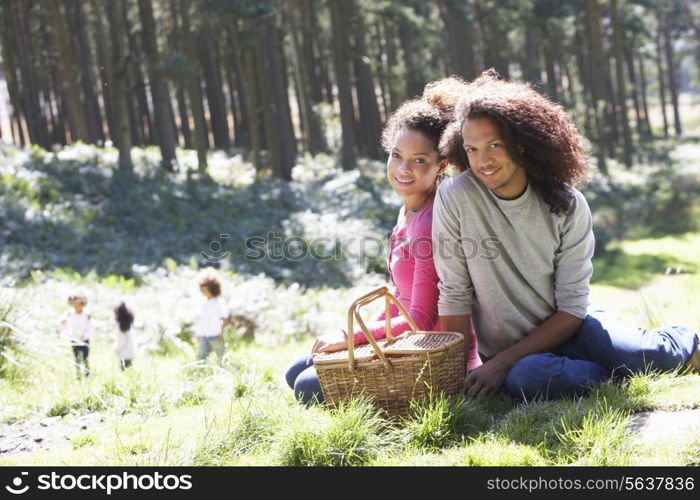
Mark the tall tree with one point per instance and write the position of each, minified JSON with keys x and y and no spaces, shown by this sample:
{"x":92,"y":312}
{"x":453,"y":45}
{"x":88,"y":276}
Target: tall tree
{"x":92,"y":107}
{"x":618,"y":43}
{"x":665,"y":20}
{"x":213,"y":86}
{"x":369,"y":123}
{"x":341,"y":61}
{"x":119,"y":60}
{"x":35,"y":120}
{"x":194,"y":89}
{"x":459,"y":27}
{"x":160,"y":94}
{"x":598,"y":69}
{"x":66,"y":59}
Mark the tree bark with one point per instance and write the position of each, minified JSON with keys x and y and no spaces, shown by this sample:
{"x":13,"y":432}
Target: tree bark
{"x":370,"y":123}
{"x":160,"y":94}
{"x":36,"y":122}
{"x":92,"y":105}
{"x":671,"y":67}
{"x":643,"y":81}
{"x":662,"y":81}
{"x":121,"y":134}
{"x":66,"y":58}
{"x":194,"y":89}
{"x":213,"y":87}
{"x":618,"y":43}
{"x":106,"y":71}
{"x":460,"y":38}
{"x":597,"y":71}
{"x":341,"y":61}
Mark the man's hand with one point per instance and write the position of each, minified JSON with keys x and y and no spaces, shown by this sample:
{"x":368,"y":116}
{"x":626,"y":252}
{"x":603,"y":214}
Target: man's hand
{"x":487,"y":379}
{"x":330,"y":342}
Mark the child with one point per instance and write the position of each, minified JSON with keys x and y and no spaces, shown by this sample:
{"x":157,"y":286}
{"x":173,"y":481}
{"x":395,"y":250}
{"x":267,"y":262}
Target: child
{"x":76,"y":325}
{"x":126,"y":348}
{"x":411,"y":139}
{"x":213,"y":317}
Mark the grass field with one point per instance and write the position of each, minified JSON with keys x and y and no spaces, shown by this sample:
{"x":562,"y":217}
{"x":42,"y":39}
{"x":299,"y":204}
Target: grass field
{"x":169,"y":410}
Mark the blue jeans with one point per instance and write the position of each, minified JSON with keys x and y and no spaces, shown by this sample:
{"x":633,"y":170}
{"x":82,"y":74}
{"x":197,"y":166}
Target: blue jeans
{"x":604,"y":346}
{"x":208,"y":344}
{"x":301,"y":376}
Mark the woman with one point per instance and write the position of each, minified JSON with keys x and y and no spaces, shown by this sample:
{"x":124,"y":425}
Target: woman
{"x":411,"y":138}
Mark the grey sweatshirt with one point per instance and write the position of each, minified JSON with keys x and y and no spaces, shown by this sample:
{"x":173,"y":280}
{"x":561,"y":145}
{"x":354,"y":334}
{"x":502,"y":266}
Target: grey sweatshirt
{"x":510,"y":264}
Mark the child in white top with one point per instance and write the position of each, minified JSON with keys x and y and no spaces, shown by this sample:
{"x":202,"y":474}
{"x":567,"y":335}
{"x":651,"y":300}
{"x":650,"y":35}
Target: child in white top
{"x":126,"y":344}
{"x":213,"y":317}
{"x":76,"y":325}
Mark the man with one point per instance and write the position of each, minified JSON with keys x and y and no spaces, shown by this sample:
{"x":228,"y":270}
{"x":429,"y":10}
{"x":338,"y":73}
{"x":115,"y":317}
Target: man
{"x":529,"y":304}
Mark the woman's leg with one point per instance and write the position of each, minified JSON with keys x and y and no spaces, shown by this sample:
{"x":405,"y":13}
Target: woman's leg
{"x":301,"y":376}
{"x":298,"y":365}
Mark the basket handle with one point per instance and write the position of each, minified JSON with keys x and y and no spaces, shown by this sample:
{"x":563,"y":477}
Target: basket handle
{"x":354,"y":312}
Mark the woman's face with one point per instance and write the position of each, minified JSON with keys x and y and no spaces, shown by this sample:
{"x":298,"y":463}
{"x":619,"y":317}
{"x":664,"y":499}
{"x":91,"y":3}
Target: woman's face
{"x":413,"y":165}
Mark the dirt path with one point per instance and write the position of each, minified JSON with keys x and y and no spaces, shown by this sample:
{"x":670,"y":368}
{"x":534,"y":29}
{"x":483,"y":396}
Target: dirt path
{"x":49,"y":433}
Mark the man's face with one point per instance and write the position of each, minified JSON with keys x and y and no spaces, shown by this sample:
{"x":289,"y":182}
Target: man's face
{"x":490,"y":161}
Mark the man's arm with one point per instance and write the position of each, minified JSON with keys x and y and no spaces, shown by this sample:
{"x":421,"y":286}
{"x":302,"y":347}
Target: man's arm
{"x":460,"y":324}
{"x":554,"y":331}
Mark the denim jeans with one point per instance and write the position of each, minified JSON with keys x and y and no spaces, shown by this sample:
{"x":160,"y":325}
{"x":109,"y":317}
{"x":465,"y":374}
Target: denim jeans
{"x":604,"y":346}
{"x":301,"y":376}
{"x":208,"y":344}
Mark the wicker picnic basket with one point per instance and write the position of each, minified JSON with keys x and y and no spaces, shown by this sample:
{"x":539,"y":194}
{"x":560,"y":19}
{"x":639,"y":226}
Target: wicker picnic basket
{"x":393,"y":371}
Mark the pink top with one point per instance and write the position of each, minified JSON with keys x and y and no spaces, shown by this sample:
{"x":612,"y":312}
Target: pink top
{"x":413,"y":273}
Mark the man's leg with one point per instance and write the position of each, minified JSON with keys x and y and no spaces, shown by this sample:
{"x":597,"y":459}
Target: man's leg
{"x":217,"y":344}
{"x":548,"y":375}
{"x":611,"y":342}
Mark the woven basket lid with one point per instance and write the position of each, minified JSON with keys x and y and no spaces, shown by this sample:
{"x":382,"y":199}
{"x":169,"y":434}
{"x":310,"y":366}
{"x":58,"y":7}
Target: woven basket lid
{"x":413,"y":343}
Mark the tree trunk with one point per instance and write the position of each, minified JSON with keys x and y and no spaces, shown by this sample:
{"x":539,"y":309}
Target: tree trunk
{"x":65,"y":57}
{"x":283,"y":118}
{"x":396,"y":89}
{"x":160,"y":94}
{"x":370,"y":124}
{"x":255,"y":123}
{"x":597,"y":71}
{"x":460,"y":38}
{"x":532,"y":71}
{"x":341,"y":61}
{"x":180,"y":83}
{"x":638,"y":111}
{"x":136,"y":89}
{"x":618,"y":43}
{"x":194,"y":89}
{"x":671,"y":66}
{"x":662,"y":80}
{"x":414,"y":77}
{"x":243,"y":134}
{"x":121,"y":134}
{"x":213,"y":87}
{"x":9,"y":62}
{"x":36,"y":123}
{"x":106,"y":71}
{"x":643,"y":81}
{"x":92,"y":105}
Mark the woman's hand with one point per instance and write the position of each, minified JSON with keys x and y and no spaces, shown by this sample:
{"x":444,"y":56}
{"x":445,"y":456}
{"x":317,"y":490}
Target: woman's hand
{"x":330,"y":342}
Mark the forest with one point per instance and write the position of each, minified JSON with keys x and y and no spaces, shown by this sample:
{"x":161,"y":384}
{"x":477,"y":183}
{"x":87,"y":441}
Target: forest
{"x":272,"y":77}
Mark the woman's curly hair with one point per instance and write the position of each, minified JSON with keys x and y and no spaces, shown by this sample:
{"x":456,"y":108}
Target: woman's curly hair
{"x":537,"y":133}
{"x":429,"y":114}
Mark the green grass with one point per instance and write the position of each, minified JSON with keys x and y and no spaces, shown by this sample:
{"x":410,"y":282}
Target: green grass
{"x":169,"y":410}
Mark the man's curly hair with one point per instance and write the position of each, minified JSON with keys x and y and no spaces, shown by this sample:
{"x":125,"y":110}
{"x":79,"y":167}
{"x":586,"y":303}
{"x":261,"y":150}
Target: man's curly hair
{"x":429,"y":114}
{"x":537,"y":133}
